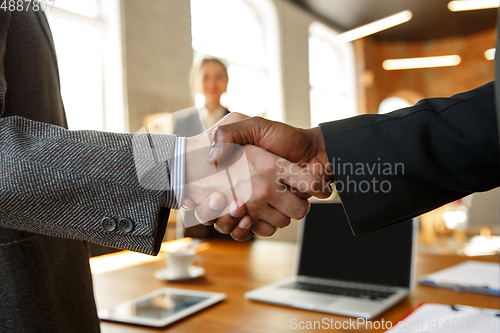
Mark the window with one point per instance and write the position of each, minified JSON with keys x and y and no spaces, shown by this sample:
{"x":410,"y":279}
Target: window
{"x":243,"y":33}
{"x":87,"y":40}
{"x":332,"y":76}
{"x":392,"y":104}
{"x":399,"y":99}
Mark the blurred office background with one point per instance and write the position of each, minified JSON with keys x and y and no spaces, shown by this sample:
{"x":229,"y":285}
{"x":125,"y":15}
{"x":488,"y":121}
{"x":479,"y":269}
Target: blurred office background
{"x":125,"y":61}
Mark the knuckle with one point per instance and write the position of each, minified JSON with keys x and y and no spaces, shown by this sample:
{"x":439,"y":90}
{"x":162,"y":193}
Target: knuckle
{"x":283,"y":222}
{"x":219,"y":133}
{"x":261,"y":122}
{"x":262,"y":192}
{"x":267,"y":191}
{"x":302,"y":210}
{"x":269,"y":168}
{"x":269,"y":232}
{"x":264,"y":229}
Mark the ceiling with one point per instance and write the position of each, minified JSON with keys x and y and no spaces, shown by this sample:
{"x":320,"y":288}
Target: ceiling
{"x":431,"y":18}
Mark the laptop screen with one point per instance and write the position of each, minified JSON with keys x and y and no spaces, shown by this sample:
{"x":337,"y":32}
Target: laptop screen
{"x":330,"y":250}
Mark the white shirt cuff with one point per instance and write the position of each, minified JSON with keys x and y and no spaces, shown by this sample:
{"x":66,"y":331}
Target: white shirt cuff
{"x":175,"y":194}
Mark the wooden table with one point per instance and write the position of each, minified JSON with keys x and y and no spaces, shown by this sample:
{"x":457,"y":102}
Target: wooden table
{"x":235,"y":268}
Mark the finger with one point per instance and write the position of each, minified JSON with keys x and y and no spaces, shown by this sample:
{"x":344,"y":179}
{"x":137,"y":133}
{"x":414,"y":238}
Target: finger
{"x":302,"y":195}
{"x":230,"y":218}
{"x":304,"y":181}
{"x":282,"y":205}
{"x":290,"y":205}
{"x":275,"y":204}
{"x":241,"y":232}
{"x":240,"y":132}
{"x":271,"y":215}
{"x":211,"y":208}
{"x":249,"y":236}
{"x":188,"y":204}
{"x":263,"y":229}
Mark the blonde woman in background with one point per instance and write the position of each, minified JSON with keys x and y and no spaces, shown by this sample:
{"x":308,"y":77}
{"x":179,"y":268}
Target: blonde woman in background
{"x":209,"y":81}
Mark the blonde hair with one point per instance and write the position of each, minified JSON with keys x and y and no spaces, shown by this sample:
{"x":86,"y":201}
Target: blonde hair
{"x":197,"y":66}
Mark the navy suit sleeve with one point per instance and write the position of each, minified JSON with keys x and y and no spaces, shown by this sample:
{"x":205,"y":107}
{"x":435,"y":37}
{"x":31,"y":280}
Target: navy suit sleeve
{"x":388,"y":168}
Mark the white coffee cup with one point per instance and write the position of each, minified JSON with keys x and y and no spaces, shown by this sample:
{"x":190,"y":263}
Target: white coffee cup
{"x":179,"y":262}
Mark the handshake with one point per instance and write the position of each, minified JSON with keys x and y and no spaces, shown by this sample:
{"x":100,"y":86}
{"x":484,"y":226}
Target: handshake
{"x":251,"y":175}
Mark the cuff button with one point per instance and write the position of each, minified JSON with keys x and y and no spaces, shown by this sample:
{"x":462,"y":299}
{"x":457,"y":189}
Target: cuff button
{"x":109,"y":223}
{"x":125,"y":224}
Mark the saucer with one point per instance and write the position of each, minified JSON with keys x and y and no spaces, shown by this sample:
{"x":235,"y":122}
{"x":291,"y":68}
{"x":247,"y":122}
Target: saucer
{"x":165,"y":274}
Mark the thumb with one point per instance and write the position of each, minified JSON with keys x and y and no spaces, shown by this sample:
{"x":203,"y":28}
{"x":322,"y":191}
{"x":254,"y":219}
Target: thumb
{"x":225,"y":136}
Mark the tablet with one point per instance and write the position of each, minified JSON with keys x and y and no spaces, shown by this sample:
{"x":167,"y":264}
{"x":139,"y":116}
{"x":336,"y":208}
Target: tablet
{"x":161,"y":307}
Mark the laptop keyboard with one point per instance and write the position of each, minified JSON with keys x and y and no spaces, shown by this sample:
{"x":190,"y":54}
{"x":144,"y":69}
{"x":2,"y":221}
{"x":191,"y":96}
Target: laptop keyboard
{"x":340,"y":290}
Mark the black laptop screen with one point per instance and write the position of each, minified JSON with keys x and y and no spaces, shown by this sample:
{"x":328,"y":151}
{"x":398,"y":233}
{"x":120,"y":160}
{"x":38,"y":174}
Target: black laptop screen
{"x":330,"y":250}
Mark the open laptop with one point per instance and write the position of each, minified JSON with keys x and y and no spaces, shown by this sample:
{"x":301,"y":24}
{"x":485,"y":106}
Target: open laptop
{"x":339,"y":273}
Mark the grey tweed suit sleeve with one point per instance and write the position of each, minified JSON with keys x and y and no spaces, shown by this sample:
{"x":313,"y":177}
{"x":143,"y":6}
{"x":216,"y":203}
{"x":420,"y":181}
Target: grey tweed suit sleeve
{"x":64,"y":183}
